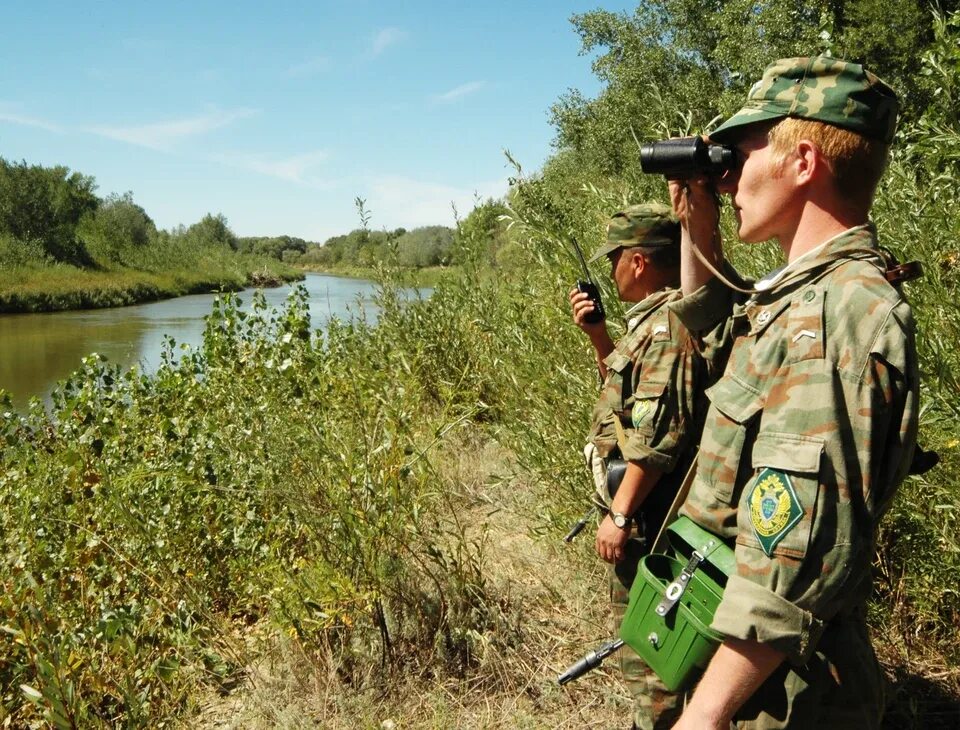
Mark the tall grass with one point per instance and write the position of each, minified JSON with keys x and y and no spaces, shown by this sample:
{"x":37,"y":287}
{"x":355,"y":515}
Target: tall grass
{"x":272,"y":476}
{"x":284,"y":478}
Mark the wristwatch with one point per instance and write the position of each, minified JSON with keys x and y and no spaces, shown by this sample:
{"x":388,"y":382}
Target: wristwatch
{"x":620,"y":520}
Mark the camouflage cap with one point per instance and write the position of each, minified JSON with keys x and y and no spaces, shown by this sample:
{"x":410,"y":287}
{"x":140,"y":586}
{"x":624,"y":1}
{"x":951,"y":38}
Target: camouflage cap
{"x":822,"y":89}
{"x":647,"y":225}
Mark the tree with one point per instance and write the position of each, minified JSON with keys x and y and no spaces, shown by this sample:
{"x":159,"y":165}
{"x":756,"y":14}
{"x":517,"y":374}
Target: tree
{"x":115,"y":228}
{"x":426,"y":246}
{"x":673,"y":65}
{"x":45,"y":204}
{"x":212,"y":230}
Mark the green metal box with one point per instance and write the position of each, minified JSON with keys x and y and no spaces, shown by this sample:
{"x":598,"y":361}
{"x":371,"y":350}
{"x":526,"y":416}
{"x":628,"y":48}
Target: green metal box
{"x":672,"y":603}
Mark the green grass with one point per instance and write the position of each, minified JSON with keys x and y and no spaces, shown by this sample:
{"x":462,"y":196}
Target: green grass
{"x":41,"y":288}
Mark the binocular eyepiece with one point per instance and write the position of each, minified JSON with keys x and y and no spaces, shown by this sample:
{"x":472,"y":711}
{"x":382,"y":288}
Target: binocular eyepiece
{"x":678,"y":159}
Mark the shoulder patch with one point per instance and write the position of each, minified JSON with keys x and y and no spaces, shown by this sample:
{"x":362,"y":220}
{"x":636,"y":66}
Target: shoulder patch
{"x":642,"y":409}
{"x":774,"y":508}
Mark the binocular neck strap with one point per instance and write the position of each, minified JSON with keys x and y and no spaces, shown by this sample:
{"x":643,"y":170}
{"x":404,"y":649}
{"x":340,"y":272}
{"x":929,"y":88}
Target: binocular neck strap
{"x":713,"y":269}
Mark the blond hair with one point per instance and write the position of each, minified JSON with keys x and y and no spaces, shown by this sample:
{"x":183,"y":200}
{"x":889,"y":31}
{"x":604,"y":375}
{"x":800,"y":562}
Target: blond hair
{"x":857,"y":163}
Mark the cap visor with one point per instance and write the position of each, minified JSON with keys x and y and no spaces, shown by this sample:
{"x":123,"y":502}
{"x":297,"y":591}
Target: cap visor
{"x":604,"y":250}
{"x":735,"y":126}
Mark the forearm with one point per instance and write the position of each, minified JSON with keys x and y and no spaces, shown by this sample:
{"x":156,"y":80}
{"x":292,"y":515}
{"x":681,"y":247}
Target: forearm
{"x":602,"y":346}
{"x":696,"y":205}
{"x":637,"y":483}
{"x":736,"y":671}
{"x":693,"y":273}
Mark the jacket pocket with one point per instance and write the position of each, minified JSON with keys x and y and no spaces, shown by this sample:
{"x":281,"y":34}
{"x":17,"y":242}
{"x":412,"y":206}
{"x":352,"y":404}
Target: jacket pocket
{"x":778,"y":506}
{"x":733,"y":410}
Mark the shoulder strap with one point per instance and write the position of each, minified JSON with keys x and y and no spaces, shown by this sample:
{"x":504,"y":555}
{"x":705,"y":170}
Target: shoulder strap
{"x":675,"y":506}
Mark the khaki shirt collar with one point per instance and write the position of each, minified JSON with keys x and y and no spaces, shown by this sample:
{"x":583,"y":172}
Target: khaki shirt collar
{"x":646,"y":306}
{"x":856,"y":242}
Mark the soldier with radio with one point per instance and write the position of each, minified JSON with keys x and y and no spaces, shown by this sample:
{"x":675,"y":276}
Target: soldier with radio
{"x":643,"y":427}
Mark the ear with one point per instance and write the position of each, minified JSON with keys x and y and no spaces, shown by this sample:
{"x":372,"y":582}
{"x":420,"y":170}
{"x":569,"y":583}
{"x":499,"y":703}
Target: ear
{"x":637,"y":264}
{"x":809,"y":163}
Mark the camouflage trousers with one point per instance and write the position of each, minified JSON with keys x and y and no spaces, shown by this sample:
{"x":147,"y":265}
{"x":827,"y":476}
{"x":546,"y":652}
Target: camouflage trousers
{"x":654,"y":707}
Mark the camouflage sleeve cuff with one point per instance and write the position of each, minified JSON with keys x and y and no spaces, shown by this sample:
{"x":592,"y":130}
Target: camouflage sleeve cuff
{"x":751,"y":612}
{"x":704,"y":308}
{"x":636,"y":450}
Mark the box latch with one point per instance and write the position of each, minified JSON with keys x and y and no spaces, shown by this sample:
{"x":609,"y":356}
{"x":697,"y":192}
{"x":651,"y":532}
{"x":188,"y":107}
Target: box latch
{"x":676,"y":588}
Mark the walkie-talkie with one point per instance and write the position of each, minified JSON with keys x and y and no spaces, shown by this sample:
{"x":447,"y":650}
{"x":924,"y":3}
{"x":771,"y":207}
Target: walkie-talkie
{"x":589,"y":288}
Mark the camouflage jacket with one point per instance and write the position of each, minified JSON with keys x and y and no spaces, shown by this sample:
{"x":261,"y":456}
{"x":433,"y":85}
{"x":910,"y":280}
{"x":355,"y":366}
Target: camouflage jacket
{"x":809,"y":432}
{"x":651,"y":383}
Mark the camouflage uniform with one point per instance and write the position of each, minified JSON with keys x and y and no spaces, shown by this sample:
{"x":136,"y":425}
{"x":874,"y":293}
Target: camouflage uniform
{"x":651,"y":387}
{"x":809,"y":432}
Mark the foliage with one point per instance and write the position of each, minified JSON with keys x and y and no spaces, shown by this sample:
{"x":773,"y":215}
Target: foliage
{"x":284,"y":248}
{"x":415,"y":249}
{"x":45,"y":205}
{"x":422,"y":247}
{"x":147,"y":519}
{"x":61,"y":247}
{"x":116,"y":230}
{"x":686,"y":61}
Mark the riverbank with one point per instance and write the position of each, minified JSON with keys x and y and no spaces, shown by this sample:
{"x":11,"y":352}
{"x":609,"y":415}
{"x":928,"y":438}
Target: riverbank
{"x":60,"y":287}
{"x":42,"y":349}
{"x":428,"y":276}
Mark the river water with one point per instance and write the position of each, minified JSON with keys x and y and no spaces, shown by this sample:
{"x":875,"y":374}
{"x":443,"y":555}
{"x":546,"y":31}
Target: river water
{"x":37,"y":350}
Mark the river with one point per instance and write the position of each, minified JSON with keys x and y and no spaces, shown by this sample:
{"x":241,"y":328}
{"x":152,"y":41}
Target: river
{"x":37,"y":350}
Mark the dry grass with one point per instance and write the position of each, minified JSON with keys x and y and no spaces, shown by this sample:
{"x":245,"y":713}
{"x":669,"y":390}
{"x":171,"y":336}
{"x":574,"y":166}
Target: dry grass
{"x":554,"y":607}
{"x":923,"y":689}
{"x":553,"y":604}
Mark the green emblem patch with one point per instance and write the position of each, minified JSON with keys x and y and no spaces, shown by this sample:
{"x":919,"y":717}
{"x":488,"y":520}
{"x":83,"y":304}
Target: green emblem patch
{"x":774,"y":508}
{"x":642,"y":409}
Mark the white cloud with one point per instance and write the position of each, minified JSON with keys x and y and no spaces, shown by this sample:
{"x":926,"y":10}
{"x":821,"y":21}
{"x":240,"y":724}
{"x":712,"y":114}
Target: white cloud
{"x":384,"y":38}
{"x":310,"y":67}
{"x":292,"y":169}
{"x":164,"y":135}
{"x":459,"y":92}
{"x":401,"y":201}
{"x":27,"y":121}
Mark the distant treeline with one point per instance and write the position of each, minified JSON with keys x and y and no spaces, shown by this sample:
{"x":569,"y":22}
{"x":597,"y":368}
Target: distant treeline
{"x":418,"y":248}
{"x":52,"y":215}
{"x":63,"y":247}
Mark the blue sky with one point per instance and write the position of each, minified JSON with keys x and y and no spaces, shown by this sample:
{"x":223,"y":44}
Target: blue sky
{"x":279,"y":114}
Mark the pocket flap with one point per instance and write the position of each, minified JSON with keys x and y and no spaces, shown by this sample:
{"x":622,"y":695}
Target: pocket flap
{"x":788,"y":452}
{"x":734,"y":399}
{"x":649,"y":390}
{"x":616,"y":361}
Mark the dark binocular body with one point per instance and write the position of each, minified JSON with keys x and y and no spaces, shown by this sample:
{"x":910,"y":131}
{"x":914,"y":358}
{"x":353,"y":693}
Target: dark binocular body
{"x":678,"y":159}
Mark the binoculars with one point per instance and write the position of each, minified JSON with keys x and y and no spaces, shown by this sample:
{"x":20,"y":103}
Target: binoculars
{"x":679,"y":159}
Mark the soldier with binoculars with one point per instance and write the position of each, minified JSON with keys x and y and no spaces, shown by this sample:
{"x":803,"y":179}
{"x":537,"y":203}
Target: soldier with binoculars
{"x":812,"y":424}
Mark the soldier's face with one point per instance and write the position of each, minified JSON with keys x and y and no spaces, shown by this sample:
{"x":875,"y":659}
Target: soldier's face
{"x":620,"y":271}
{"x":625,"y":270}
{"x":616,"y":271}
{"x":758,"y":190}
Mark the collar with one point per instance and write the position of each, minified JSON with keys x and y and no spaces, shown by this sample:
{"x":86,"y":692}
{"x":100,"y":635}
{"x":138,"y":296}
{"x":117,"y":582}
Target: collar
{"x":642,"y":309}
{"x":856,"y":242}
